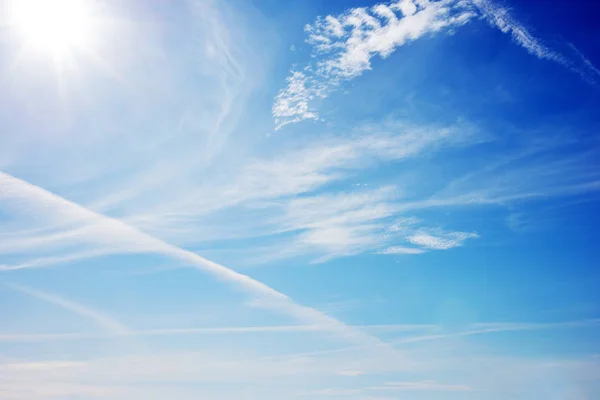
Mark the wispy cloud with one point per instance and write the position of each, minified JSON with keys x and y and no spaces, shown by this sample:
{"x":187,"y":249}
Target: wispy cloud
{"x":102,"y":320}
{"x":411,"y":231}
{"x":265,"y":193}
{"x":441,"y":241}
{"x":302,"y":201}
{"x":401,"y":250}
{"x":501,"y":18}
{"x":111,"y":231}
{"x":429,"y":386}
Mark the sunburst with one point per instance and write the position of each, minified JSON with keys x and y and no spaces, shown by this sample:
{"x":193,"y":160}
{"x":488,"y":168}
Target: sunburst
{"x":57,"y":27}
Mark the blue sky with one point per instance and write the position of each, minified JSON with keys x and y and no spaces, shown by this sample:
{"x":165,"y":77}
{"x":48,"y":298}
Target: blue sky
{"x":299,"y":199}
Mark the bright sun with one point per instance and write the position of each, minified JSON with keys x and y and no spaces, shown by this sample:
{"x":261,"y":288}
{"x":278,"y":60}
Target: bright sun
{"x":57,"y":27}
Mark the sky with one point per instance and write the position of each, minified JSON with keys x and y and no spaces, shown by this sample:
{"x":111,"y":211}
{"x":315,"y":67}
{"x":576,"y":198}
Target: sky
{"x":350,"y":199}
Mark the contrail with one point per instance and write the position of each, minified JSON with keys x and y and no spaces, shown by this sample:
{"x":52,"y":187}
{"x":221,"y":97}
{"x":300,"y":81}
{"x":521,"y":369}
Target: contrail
{"x":110,"y":231}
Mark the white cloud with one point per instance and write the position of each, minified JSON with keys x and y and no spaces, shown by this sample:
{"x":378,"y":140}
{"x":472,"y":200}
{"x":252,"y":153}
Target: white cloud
{"x":412,"y":231}
{"x":351,"y":40}
{"x":292,"y":105}
{"x":401,"y":250}
{"x":403,"y":225}
{"x":345,"y":44}
{"x":339,"y":224}
{"x":441,"y":241}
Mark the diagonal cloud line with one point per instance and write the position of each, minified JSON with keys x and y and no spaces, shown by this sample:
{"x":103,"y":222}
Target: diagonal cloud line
{"x":104,"y":321}
{"x":115,"y":232}
{"x":499,"y":17}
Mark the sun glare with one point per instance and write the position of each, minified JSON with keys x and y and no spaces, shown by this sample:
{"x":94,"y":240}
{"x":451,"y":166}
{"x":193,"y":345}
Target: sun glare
{"x":57,"y":27}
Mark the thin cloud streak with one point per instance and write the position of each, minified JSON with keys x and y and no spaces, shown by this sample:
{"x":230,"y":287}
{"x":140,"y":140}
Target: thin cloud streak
{"x":499,"y":17}
{"x":103,"y":321}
